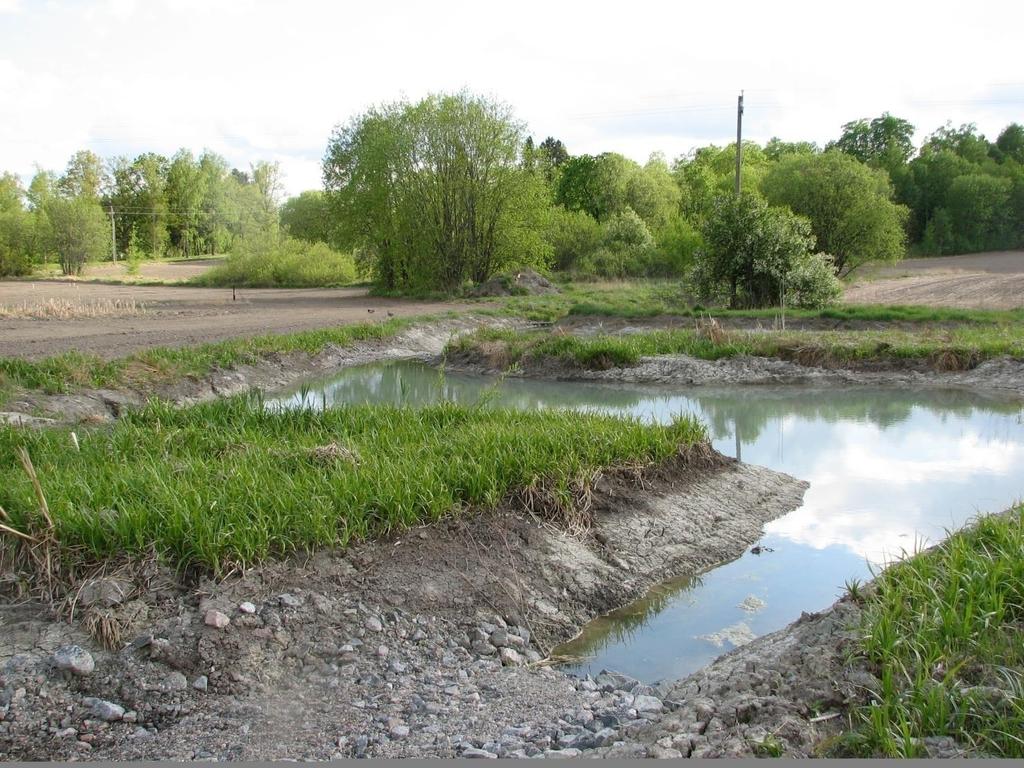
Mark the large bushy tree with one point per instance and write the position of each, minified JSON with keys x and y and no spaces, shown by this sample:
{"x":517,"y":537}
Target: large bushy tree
{"x":848,"y":204}
{"x":433,"y":193}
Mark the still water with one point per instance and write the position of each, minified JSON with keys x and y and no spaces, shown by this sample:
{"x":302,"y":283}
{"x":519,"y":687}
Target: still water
{"x":889,"y":470}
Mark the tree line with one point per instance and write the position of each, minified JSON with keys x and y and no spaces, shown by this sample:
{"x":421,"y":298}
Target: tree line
{"x":452,"y":188}
{"x":159,"y":206}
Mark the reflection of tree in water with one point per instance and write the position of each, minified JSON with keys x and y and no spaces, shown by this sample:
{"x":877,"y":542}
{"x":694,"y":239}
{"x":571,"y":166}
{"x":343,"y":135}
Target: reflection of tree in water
{"x":750,"y":410}
{"x":747,"y":409}
{"x":623,"y":624}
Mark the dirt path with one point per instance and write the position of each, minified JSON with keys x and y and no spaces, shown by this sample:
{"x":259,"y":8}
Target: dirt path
{"x":972,"y":281}
{"x":183,"y":316}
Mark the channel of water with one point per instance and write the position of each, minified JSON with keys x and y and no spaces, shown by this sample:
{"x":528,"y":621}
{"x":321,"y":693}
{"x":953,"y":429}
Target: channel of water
{"x":889,"y":470}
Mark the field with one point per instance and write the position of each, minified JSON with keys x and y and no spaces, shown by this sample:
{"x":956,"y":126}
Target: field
{"x":974,"y":281}
{"x":177,"y":316}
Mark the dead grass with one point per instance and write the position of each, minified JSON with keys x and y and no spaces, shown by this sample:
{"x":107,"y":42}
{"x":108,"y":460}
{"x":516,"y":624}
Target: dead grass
{"x":64,"y":309}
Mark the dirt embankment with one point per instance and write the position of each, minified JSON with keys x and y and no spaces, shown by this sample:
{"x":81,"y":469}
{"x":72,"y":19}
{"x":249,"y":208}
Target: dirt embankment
{"x":417,"y":646}
{"x":274,"y":372}
{"x":998,"y":375}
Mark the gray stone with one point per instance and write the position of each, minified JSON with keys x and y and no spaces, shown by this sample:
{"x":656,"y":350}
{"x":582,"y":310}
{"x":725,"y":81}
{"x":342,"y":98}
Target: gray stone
{"x":374,"y":624}
{"x":201,"y":683}
{"x":647,"y":704}
{"x":75,"y":659}
{"x":399,"y":731}
{"x":557,"y":753}
{"x":509,"y":658}
{"x":499,"y":638}
{"x":105,"y":710}
{"x":247,"y":607}
{"x":288,"y":600}
{"x":105,"y":592}
{"x":175,"y":681}
{"x":472,"y":752}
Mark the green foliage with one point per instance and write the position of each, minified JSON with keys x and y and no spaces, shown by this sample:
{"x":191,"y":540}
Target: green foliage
{"x":749,"y":250}
{"x":432,"y":194}
{"x":678,"y":245}
{"x":627,"y":248}
{"x":280,"y":261}
{"x":811,"y":281}
{"x":848,"y":204}
{"x":15,"y":236}
{"x":307,"y":217}
{"x":1011,"y":143}
{"x":710,"y":172}
{"x":978,"y":209}
{"x":573,"y":235}
{"x":228,"y":483}
{"x":943,"y":630}
{"x":79,"y":231}
{"x":885,"y":142}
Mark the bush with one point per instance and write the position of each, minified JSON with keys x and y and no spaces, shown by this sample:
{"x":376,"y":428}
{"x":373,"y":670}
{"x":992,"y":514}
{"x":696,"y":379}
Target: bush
{"x":627,"y":248}
{"x":678,"y":244}
{"x":281,"y":262}
{"x":14,"y":242}
{"x":573,"y":235}
{"x":750,"y":250}
{"x":811,"y":282}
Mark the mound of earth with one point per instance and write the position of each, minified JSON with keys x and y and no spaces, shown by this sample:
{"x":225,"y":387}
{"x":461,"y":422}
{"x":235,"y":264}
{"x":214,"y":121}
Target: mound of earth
{"x":524,"y":282}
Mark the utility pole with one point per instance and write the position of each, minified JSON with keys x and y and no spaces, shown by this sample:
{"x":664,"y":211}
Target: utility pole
{"x":113,"y":237}
{"x":739,"y":140}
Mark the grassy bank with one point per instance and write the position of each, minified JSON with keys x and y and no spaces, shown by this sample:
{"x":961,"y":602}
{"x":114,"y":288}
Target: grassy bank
{"x":229,"y":483}
{"x":654,"y":298}
{"x":73,"y":370}
{"x":945,"y":349}
{"x":944,"y":632}
{"x":281,"y":262}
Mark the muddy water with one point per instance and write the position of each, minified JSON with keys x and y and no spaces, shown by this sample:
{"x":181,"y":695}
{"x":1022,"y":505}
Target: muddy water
{"x":889,"y":470}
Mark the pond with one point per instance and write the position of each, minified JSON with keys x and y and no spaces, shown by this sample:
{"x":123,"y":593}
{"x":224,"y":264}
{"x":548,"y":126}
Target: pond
{"x":890,"y":470}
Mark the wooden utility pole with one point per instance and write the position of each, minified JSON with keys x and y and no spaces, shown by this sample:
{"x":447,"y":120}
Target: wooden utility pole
{"x":113,"y":237}
{"x":739,"y":140}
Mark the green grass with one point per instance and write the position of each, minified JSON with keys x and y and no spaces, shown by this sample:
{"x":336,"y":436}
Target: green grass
{"x":73,"y":370}
{"x":229,"y":483}
{"x":947,"y":349}
{"x":945,"y":632}
{"x":653,"y":298}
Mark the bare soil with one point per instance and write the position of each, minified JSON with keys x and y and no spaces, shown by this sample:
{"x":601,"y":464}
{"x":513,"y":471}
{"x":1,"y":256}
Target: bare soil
{"x":971,"y":281}
{"x":184,"y":316}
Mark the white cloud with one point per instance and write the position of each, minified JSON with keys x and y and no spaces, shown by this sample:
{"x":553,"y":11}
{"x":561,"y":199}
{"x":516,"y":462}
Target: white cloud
{"x":259,"y":79}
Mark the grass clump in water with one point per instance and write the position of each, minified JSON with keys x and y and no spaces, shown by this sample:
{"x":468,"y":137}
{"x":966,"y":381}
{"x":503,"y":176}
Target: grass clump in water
{"x":230,"y":483}
{"x":945,"y":633}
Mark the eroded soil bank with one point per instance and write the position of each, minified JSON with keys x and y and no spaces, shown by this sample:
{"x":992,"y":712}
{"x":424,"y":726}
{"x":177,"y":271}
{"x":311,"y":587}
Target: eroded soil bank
{"x":424,"y":645}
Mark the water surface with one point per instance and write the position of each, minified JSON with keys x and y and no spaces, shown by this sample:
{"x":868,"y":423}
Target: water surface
{"x":889,"y":470}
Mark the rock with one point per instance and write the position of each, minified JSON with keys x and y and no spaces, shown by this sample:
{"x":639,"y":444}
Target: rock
{"x":105,"y":710}
{"x":509,"y":658}
{"x":382,"y":651}
{"x":247,"y":607}
{"x":75,"y":659}
{"x":609,"y":681}
{"x":557,"y":753}
{"x":104,"y":592}
{"x":175,"y":681}
{"x":201,"y":683}
{"x":647,"y":704}
{"x":288,"y":600}
{"x":663,"y":753}
{"x":399,"y":731}
{"x":374,"y":624}
{"x":141,"y":734}
{"x":472,"y":752}
{"x":532,"y":656}
{"x":216,"y":619}
{"x":499,"y":638}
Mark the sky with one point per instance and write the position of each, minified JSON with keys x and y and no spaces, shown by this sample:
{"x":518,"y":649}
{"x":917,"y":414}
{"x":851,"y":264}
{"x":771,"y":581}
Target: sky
{"x":256,"y":80}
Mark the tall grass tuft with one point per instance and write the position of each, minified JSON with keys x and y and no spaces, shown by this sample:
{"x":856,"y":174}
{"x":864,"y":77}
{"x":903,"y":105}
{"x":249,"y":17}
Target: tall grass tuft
{"x":229,"y":483}
{"x":945,"y":632}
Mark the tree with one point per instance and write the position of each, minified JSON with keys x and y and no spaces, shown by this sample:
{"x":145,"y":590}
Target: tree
{"x":573,"y":236}
{"x":307,"y":217}
{"x":749,"y":250}
{"x":79,"y":231}
{"x":85,"y":176}
{"x":885,"y":142}
{"x":268,"y":181}
{"x":15,"y":228}
{"x":1011,"y":142}
{"x":433,"y":193}
{"x":978,"y":206}
{"x":848,"y":204}
{"x":964,"y":141}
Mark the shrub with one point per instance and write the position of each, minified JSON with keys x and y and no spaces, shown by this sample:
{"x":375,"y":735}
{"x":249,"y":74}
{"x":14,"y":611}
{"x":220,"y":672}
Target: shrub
{"x":282,"y":262}
{"x":811,"y":282}
{"x":573,"y":235}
